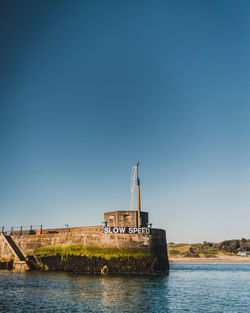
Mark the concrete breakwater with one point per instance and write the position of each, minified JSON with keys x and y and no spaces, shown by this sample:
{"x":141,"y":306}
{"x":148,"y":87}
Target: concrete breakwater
{"x":94,"y":249}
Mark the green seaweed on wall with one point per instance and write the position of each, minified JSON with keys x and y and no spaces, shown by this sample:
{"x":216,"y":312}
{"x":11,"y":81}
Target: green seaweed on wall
{"x":90,"y":251}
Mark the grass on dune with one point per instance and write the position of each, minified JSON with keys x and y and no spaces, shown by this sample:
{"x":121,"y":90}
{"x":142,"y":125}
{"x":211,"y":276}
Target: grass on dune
{"x":192,"y":250}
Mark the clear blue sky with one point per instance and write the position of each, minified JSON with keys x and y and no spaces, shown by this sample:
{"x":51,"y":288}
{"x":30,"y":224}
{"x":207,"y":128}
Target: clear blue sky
{"x":87,"y":88}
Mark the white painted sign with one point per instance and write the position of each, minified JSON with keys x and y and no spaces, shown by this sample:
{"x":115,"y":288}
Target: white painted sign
{"x":127,"y":230}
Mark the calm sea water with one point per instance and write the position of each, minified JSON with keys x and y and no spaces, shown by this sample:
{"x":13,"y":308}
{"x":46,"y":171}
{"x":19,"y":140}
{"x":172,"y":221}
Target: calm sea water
{"x":188,"y":288}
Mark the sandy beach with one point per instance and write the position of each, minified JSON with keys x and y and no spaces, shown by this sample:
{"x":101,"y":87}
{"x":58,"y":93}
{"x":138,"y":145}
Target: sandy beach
{"x":224,"y":259}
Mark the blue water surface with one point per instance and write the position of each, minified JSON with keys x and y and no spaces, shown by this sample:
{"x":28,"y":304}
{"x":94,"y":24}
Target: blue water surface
{"x":188,"y":288}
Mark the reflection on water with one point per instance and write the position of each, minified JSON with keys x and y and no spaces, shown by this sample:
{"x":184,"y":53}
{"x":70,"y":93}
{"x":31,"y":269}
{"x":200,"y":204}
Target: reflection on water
{"x":189,"y":288}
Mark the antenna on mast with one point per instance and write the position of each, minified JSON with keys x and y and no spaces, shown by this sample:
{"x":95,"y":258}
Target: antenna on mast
{"x":132,"y":186}
{"x":135,"y":181}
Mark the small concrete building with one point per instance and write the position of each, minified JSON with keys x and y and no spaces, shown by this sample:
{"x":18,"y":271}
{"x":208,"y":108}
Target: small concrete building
{"x":125,"y":218}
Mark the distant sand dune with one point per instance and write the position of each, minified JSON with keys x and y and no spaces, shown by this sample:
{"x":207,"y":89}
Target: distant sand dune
{"x":221,"y":259}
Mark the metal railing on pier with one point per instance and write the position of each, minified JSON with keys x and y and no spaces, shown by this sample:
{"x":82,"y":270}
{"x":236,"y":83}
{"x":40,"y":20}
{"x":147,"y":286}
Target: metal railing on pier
{"x":34,"y":230}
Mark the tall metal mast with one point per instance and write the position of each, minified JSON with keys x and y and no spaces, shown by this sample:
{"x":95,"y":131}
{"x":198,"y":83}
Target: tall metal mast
{"x":135,"y":181}
{"x":139,"y":198}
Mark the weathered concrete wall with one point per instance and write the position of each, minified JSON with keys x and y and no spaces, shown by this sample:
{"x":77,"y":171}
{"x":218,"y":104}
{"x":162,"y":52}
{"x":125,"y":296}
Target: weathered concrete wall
{"x":102,"y":266}
{"x":94,"y":236}
{"x":5,"y":251}
{"x":6,"y":265}
{"x":90,"y":236}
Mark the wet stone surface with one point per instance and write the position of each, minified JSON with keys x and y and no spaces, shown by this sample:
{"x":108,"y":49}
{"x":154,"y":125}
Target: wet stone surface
{"x":98,"y":265}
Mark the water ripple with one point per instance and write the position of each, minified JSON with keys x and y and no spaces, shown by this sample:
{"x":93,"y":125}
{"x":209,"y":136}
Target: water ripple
{"x":189,"y":288}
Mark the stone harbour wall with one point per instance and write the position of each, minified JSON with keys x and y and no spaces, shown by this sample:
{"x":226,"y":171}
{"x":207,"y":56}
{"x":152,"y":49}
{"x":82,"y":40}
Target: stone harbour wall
{"x":154,"y":244}
{"x":94,"y":236}
{"x":5,"y":251}
{"x":101,"y":266}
